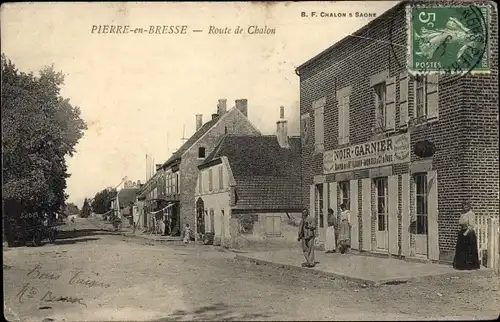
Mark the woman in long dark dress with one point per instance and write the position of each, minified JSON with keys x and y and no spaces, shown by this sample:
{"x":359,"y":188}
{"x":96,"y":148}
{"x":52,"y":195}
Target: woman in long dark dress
{"x":466,"y":250}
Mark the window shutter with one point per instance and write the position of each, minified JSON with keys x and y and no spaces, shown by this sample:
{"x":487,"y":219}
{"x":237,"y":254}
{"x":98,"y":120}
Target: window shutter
{"x":312,"y":196}
{"x":403,"y":99}
{"x":325,"y":205}
{"x":269,"y":225}
{"x":432,"y":96}
{"x":367,"y":214}
{"x":319,"y":129}
{"x":353,"y":185}
{"x":340,"y":108}
{"x":432,"y":219}
{"x":405,"y":214}
{"x":390,"y":104}
{"x":393,"y":215}
{"x":277,"y":225}
{"x":345,"y":108}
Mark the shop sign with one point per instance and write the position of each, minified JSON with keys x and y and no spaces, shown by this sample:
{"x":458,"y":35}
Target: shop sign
{"x":383,"y":152}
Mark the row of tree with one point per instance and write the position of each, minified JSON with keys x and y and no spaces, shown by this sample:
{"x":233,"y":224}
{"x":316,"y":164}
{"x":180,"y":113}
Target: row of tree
{"x":39,"y":129}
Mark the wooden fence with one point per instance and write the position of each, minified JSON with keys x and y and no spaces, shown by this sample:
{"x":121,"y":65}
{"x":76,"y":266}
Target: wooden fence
{"x":488,"y":240}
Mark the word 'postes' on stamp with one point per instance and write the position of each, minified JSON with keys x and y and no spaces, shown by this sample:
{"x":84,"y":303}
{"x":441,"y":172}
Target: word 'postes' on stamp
{"x":448,"y":39}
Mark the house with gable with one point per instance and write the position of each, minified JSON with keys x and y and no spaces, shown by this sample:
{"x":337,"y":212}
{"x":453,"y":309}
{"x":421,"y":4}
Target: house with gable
{"x":180,"y":172}
{"x":248,"y":189}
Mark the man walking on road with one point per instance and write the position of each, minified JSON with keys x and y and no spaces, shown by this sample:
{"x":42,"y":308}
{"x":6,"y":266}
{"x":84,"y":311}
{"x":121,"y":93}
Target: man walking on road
{"x":306,"y":236}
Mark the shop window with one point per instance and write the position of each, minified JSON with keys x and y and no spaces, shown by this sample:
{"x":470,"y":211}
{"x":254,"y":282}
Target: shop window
{"x":421,"y":200}
{"x":344,"y":193}
{"x":319,"y":205}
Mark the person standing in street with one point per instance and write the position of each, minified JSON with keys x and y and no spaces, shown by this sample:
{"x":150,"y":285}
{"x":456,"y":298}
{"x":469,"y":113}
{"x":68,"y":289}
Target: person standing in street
{"x":466,"y":249}
{"x":306,"y":237}
{"x":344,"y":229}
{"x":330,"y":242}
{"x":187,"y":234}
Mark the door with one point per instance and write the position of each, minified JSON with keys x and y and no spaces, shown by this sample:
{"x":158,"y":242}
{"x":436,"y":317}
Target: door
{"x":420,"y":231}
{"x":319,"y":210}
{"x":222,"y":228}
{"x":381,"y":224}
{"x":200,"y":217}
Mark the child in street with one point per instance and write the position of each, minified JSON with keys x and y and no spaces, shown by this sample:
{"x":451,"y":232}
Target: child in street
{"x":187,"y":234}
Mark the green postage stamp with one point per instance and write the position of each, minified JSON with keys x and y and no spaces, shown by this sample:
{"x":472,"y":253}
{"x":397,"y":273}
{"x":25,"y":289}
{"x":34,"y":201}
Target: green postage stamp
{"x":448,"y":38}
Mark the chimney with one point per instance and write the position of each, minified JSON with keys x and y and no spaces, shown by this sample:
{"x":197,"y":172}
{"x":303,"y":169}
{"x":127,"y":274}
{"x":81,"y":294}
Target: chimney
{"x":222,"y":106}
{"x":242,"y":105}
{"x":214,"y":116}
{"x":199,"y":121}
{"x":282,"y":130}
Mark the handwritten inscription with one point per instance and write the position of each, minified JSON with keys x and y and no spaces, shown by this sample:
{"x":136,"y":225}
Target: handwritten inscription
{"x":37,"y":274}
{"x":28,"y":291}
{"x":76,"y":279}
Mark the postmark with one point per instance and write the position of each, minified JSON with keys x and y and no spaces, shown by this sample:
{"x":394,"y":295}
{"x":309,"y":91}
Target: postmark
{"x":448,"y":38}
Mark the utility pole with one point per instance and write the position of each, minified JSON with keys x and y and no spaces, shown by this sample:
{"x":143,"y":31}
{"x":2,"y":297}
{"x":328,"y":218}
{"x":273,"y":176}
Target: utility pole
{"x":184,"y":139}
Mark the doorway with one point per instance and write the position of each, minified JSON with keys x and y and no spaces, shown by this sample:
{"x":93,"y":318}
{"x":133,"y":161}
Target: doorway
{"x":222,"y":230}
{"x":420,"y":231}
{"x":200,"y":220}
{"x":381,"y":224}
{"x":319,"y":212}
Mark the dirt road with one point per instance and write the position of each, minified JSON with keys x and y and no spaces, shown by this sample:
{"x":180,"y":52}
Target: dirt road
{"x":91,"y":274}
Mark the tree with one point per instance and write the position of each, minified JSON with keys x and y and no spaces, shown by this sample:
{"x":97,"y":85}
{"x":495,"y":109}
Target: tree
{"x":102,"y":200}
{"x":39,"y":128}
{"x":85,"y":213}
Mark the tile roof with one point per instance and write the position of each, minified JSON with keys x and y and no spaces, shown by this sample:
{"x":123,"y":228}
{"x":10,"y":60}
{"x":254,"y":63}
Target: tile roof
{"x":197,"y":135}
{"x":267,"y":175}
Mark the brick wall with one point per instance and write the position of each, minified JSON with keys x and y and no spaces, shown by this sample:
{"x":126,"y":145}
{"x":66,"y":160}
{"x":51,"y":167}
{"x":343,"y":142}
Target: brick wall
{"x":237,"y":124}
{"x":466,"y":134}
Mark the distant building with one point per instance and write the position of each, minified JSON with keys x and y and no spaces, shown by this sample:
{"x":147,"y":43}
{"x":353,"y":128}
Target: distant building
{"x":176,"y":178}
{"x":248,"y":189}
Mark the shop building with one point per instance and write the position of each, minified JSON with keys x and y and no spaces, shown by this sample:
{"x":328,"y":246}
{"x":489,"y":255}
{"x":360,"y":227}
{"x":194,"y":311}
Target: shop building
{"x":403,"y":152}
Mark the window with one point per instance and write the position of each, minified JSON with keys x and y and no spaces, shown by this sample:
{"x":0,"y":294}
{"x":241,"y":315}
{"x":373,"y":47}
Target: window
{"x":210,"y":182}
{"x":426,"y":98}
{"x":200,"y":181}
{"x":381,"y":203}
{"x":319,"y":205}
{"x":421,"y":193}
{"x":273,"y":225}
{"x":319,"y":131}
{"x":420,"y":97}
{"x":221,"y":178}
{"x":201,"y":152}
{"x":380,"y":106}
{"x":343,"y":110}
{"x":344,"y":193}
{"x":177,"y":176}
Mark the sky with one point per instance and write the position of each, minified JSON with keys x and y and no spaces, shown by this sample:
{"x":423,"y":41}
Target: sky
{"x":139,"y":93}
